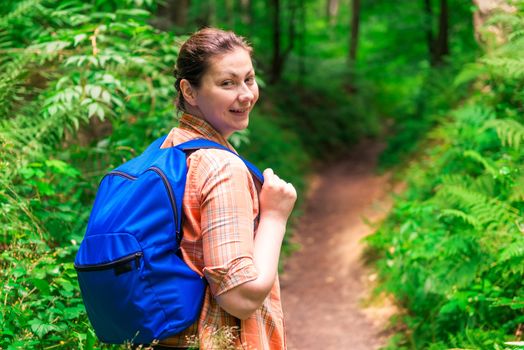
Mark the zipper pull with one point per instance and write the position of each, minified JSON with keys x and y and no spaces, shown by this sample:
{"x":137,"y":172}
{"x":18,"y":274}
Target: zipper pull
{"x":137,"y":260}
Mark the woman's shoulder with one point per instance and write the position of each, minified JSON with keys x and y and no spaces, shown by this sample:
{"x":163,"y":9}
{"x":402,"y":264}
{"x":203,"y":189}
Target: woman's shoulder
{"x":217,"y":159}
{"x":216,"y":169}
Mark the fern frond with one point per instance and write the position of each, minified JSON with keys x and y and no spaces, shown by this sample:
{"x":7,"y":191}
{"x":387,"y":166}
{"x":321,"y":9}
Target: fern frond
{"x":517,"y":34}
{"x":507,"y":67}
{"x":469,"y":219}
{"x":517,"y":193}
{"x":506,"y":19}
{"x":22,"y":10}
{"x":485,"y":184}
{"x":514,"y":251}
{"x":473,"y":114}
{"x":456,"y":179}
{"x":469,"y":73}
{"x":486,"y":163}
{"x":484,"y":209}
{"x":509,"y":131}
{"x":11,"y":84}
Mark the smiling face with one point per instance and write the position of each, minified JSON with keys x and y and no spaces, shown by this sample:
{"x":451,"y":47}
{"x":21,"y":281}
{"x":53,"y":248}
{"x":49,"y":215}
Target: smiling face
{"x":227,"y":92}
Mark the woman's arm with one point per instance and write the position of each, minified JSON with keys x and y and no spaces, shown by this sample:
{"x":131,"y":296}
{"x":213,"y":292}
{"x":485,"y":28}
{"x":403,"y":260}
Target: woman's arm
{"x":277,"y":199}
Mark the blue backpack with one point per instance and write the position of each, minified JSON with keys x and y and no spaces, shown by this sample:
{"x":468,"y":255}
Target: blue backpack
{"x":135,"y":286}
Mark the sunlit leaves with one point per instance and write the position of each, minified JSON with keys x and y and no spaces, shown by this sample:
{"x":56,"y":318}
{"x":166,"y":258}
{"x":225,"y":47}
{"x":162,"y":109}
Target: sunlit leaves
{"x":77,"y":63}
{"x":453,"y":248}
{"x":510,"y":132}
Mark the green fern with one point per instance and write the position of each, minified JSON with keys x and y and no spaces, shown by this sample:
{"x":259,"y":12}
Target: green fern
{"x":488,"y":165}
{"x":510,"y":67}
{"x":485,"y":210}
{"x":514,"y":251}
{"x":509,"y":131}
{"x":485,"y":184}
{"x":23,"y":9}
{"x":12,"y":76}
{"x":469,"y":219}
{"x":517,"y":193}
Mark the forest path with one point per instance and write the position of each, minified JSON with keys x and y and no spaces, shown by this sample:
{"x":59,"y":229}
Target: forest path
{"x":325,"y":283}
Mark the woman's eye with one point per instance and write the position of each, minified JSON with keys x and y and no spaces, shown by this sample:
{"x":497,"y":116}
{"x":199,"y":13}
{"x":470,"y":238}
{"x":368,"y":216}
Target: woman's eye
{"x":227,"y":83}
{"x":250,"y":80}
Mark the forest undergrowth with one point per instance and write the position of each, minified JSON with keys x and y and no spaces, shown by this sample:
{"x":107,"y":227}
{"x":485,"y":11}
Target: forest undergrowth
{"x":452,"y":250}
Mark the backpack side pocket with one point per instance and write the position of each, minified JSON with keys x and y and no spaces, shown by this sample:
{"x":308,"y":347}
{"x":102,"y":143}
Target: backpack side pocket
{"x":112,"y":285}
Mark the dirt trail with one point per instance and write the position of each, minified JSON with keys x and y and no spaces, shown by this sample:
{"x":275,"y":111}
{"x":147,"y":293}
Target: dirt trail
{"x":325,"y":283}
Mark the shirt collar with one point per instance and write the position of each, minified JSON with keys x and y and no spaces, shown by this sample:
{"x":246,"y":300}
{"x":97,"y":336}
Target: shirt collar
{"x":202,"y":128}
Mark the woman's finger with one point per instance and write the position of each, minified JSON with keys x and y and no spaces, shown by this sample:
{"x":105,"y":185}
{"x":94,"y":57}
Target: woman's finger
{"x":268,"y":174}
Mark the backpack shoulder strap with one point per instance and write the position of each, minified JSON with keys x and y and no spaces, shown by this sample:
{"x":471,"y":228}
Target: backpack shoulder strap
{"x":197,"y":144}
{"x":155,"y":145}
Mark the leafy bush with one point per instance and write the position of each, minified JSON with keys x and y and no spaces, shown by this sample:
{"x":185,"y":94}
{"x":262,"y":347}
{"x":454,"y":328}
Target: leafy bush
{"x":452,"y":249}
{"x":71,"y":73}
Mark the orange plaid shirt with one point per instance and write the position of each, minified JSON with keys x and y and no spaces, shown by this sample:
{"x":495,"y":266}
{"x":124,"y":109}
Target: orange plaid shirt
{"x":220,"y":210}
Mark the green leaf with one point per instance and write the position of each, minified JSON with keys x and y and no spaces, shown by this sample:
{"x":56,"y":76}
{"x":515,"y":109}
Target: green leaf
{"x":90,"y":339}
{"x":78,"y":38}
{"x":92,"y":109}
{"x":95,"y":92}
{"x":42,"y":285}
{"x":133,"y":12}
{"x":106,"y":97}
{"x":45,"y":188}
{"x":71,"y":313}
{"x":40,"y":328}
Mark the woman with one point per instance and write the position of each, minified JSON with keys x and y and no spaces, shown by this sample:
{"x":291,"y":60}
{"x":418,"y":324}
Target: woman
{"x":233,"y":230}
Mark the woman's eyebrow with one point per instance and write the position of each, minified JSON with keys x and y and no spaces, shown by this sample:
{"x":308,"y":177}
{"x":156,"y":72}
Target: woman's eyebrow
{"x":235,"y":74}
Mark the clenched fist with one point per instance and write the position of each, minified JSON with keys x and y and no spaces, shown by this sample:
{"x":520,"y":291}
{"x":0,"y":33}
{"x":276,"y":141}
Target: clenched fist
{"x":277,"y":197}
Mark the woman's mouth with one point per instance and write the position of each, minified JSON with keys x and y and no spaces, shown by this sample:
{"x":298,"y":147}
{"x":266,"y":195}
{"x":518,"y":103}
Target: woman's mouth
{"x":239,"y":110}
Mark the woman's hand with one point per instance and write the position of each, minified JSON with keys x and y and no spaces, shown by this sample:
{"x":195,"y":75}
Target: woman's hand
{"x":277,"y":197}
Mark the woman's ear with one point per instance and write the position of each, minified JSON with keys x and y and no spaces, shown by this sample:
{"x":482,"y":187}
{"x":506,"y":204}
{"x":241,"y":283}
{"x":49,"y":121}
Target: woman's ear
{"x":188,"y":91}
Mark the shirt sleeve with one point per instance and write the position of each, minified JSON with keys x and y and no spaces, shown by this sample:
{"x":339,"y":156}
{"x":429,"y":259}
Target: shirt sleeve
{"x":227,"y":220}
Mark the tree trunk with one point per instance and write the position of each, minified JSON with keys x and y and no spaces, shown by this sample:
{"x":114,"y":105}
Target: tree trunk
{"x":332,"y":11}
{"x":302,"y":40}
{"x":428,"y":25}
{"x":280,"y":54}
{"x":206,"y":14}
{"x":230,"y":12}
{"x":276,"y":61}
{"x":245,"y":11}
{"x":355,"y":26}
{"x":441,"y":47}
{"x":180,"y":12}
{"x":172,"y":12}
{"x":212,"y":14}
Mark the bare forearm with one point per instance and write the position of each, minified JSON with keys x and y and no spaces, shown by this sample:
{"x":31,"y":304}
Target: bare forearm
{"x":243,"y":300}
{"x":268,"y":242}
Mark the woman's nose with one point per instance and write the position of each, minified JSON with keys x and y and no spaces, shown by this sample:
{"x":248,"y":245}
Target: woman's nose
{"x":245,"y":93}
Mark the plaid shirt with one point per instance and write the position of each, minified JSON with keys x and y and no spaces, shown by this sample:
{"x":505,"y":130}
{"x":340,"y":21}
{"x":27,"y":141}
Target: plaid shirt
{"x":220,"y":208}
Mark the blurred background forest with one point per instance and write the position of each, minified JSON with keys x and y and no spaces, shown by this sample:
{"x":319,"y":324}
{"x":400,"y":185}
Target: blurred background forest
{"x":86,"y":85}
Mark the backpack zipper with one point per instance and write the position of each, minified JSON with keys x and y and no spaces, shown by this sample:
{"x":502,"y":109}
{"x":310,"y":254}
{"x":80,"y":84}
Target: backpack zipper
{"x":121,"y":173}
{"x":171,"y":198}
{"x":169,"y":192}
{"x":113,"y":264}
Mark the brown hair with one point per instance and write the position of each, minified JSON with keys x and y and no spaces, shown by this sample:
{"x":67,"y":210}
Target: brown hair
{"x":196,"y":53}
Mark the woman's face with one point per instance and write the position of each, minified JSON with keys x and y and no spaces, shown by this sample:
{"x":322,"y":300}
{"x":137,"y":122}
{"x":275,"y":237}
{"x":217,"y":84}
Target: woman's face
{"x":228,"y":91}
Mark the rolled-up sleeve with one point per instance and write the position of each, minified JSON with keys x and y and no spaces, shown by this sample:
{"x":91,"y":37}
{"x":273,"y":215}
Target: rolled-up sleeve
{"x":227,"y":221}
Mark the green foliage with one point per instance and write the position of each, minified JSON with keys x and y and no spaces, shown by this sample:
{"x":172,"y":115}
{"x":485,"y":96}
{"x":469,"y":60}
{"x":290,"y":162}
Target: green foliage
{"x":70,"y":72}
{"x":452,"y":249}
